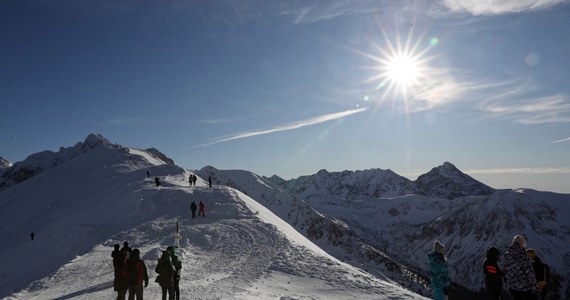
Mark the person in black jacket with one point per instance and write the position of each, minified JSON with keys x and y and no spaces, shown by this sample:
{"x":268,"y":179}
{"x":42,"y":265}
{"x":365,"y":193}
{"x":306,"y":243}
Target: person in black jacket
{"x":193,"y":208}
{"x":493,"y":274}
{"x":165,"y":277}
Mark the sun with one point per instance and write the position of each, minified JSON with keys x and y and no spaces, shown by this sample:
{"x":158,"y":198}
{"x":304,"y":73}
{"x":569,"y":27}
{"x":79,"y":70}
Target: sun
{"x":400,"y":67}
{"x":402,"y":70}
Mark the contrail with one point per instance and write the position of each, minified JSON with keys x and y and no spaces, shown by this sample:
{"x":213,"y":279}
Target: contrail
{"x":296,"y":125}
{"x":560,"y":141}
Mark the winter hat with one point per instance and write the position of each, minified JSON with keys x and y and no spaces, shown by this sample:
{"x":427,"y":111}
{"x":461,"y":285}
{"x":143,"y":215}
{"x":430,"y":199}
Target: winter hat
{"x":136,"y":253}
{"x":439,"y":247}
{"x":530,"y":253}
{"x":493,"y":253}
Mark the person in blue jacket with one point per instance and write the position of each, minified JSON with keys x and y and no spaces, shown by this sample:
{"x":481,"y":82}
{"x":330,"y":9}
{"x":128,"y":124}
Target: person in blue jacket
{"x":438,"y":271}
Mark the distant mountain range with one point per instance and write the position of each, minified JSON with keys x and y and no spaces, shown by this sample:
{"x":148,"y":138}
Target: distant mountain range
{"x":373,"y":219}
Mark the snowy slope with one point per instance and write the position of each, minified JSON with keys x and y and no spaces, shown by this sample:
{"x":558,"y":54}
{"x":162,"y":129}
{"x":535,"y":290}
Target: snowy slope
{"x":81,"y":206}
{"x":331,"y":234}
{"x":403,"y":227}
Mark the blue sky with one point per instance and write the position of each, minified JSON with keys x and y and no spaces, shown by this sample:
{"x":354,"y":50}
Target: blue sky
{"x":292,"y":87}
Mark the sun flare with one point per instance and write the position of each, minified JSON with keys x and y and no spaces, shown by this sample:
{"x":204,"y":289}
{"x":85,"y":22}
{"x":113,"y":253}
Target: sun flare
{"x":402,"y":69}
{"x":400,"y":66}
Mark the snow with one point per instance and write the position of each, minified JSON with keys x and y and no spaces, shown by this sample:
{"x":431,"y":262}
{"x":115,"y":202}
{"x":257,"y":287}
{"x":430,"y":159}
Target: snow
{"x":100,"y":195}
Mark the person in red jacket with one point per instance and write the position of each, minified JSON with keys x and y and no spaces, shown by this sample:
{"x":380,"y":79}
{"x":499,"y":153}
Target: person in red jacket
{"x":136,"y":272}
{"x":201,"y":212}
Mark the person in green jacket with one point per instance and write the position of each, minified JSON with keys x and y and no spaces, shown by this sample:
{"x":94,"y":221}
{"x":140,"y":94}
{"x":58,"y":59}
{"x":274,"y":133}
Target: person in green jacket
{"x":438,"y":271}
{"x":177,"y":267}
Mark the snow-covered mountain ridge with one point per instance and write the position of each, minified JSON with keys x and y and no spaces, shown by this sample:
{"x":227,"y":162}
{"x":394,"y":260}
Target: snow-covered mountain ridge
{"x":80,"y":207}
{"x":399,"y":219}
{"x":42,"y":161}
{"x":4,"y":164}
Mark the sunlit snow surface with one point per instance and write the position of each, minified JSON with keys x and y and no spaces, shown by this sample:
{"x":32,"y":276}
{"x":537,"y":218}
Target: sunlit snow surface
{"x":240,"y":250}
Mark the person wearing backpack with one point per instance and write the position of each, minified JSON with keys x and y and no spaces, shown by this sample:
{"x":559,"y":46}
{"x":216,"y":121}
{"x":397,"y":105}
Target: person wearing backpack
{"x":177,"y":267}
{"x":136,"y":274}
{"x":539,"y":271}
{"x":493,"y":274}
{"x":165,"y":277}
{"x":439,"y":271}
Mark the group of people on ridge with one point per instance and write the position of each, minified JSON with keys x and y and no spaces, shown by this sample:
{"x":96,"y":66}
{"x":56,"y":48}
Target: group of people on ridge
{"x":131,"y":273}
{"x":192,"y":179}
{"x":193,"y":208}
{"x":523,"y":271}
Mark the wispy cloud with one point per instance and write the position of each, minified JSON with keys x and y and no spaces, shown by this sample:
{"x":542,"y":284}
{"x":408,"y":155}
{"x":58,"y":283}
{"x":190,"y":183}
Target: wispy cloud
{"x":546,"y":109}
{"x":315,"y":11}
{"x":522,"y":171}
{"x":561,"y":141}
{"x":490,"y":7}
{"x":296,"y":125}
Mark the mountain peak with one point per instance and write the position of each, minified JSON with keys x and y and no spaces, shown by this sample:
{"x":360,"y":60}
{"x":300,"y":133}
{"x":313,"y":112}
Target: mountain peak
{"x":95,"y":140}
{"x":447,"y":181}
{"x":4,"y":163}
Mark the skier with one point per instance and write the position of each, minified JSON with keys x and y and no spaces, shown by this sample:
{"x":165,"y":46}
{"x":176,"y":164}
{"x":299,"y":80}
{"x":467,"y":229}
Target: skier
{"x":493,"y":274}
{"x":190,"y":180}
{"x":210,"y":180}
{"x":194,"y":178}
{"x":201,"y":209}
{"x":32,"y":235}
{"x":157,"y":181}
{"x":165,"y":276}
{"x":177,"y":267}
{"x":519,"y":273}
{"x":439,"y":272}
{"x":136,"y":272}
{"x":193,"y":209}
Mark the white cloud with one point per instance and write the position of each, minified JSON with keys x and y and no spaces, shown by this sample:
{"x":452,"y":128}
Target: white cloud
{"x":493,"y":7}
{"x":296,"y":125}
{"x":522,"y":171}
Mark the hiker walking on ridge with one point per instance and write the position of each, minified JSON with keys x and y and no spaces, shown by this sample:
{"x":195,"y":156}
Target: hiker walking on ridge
{"x":201,"y":209}
{"x":193,"y":208}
